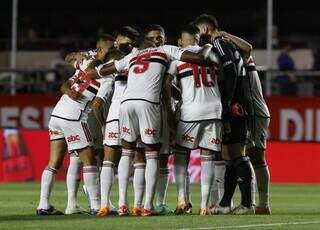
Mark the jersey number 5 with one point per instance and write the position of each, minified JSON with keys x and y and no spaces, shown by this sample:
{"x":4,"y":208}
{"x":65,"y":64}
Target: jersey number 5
{"x":143,"y":63}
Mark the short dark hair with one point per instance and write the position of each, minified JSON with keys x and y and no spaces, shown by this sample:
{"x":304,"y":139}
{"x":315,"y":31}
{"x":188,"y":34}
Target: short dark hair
{"x":154,"y":27}
{"x":106,"y":37}
{"x":207,"y":19}
{"x":128,"y":31}
{"x":190,"y":29}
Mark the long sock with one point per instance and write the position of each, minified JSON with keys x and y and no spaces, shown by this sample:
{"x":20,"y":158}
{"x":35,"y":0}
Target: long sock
{"x":180,"y":174}
{"x":219,"y":172}
{"x":162,"y":185}
{"x":263,"y":182}
{"x":152,"y":170}
{"x":90,"y":179}
{"x":106,"y":181}
{"x":244,"y":178}
{"x":123,"y":175}
{"x":253,"y":184}
{"x":73,"y":180}
{"x":47,"y":180}
{"x":187,"y":189}
{"x":207,"y":175}
{"x":230,"y":184}
{"x":139,"y":184}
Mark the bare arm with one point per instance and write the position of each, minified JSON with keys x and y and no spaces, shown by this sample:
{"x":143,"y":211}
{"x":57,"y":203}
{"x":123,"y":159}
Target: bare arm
{"x":244,"y":46}
{"x":98,"y":110}
{"x":167,"y":101}
{"x":102,"y":70}
{"x":66,"y":89}
{"x":200,"y":58}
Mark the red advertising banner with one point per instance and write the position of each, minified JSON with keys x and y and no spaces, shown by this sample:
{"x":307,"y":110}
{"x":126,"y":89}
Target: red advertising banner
{"x":289,"y":162}
{"x":294,"y":118}
{"x":26,"y":111}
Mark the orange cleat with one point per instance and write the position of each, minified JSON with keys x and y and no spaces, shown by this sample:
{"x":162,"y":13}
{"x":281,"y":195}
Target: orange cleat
{"x":263,"y":211}
{"x":136,"y":212}
{"x":123,"y":210}
{"x":147,"y":212}
{"x":105,"y":211}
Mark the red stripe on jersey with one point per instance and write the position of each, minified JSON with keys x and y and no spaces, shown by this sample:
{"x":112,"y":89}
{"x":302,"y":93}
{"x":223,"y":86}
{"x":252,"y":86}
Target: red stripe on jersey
{"x":183,"y":66}
{"x":85,"y":77}
{"x":149,"y":55}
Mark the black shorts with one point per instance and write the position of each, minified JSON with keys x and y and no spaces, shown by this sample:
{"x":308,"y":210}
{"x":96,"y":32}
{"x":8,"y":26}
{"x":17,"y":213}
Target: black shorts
{"x":235,"y":131}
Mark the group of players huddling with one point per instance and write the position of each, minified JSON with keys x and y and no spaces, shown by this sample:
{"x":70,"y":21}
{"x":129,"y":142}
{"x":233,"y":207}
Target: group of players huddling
{"x":149,"y":100}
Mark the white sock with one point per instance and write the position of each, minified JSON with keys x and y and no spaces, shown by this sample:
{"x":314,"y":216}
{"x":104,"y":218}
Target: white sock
{"x":263,"y":183}
{"x":152,"y":170}
{"x":188,"y":195}
{"x":162,"y":185}
{"x":181,"y":174}
{"x":47,"y":180}
{"x":73,"y":180}
{"x":219,"y":171}
{"x":139,"y":184}
{"x":253,"y":185}
{"x":207,"y":174}
{"x":123,"y":175}
{"x":90,"y":179}
{"x":106,"y":181}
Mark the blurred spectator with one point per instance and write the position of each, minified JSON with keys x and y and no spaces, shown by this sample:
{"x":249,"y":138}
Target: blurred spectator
{"x":285,"y":63}
{"x":31,"y":39}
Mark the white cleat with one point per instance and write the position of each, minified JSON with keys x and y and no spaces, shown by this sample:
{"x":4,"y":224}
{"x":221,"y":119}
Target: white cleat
{"x":242,"y":210}
{"x":75,"y":210}
{"x":219,"y":210}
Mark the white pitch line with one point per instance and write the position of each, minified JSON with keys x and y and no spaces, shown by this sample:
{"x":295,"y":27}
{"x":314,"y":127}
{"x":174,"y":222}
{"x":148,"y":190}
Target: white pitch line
{"x":252,"y":225}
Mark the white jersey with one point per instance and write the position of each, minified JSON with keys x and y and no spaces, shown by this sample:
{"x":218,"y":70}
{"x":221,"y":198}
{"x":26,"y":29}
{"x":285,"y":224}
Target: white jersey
{"x":201,"y":99}
{"x":68,"y":109}
{"x":146,"y":69}
{"x":260,"y":105}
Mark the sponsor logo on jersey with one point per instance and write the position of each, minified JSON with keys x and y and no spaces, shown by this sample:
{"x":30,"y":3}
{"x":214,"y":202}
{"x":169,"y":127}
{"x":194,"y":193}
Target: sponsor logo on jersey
{"x":126,"y":130}
{"x":113,"y":135}
{"x":150,"y":132}
{"x":53,"y":132}
{"x":215,"y":141}
{"x":73,"y":138}
{"x":187,"y":138}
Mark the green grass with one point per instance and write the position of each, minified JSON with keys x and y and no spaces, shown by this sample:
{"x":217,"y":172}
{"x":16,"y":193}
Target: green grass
{"x":290,"y":204}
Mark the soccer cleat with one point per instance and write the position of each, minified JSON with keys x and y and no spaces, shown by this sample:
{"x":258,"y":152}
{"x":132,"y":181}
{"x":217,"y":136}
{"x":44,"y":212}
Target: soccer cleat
{"x":93,"y":212}
{"x":242,"y":210}
{"x":136,"y":212}
{"x":163,"y":209}
{"x":263,"y":211}
{"x":188,"y":208}
{"x":123,"y":210}
{"x":51,"y":211}
{"x":146,"y":212}
{"x":218,"y":210}
{"x":104,"y":211}
{"x":181,"y":208}
{"x":204,"y":212}
{"x":75,"y":210}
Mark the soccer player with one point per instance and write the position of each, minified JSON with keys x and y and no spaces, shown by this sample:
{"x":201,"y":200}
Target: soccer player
{"x":200,"y":123}
{"x":68,"y":129}
{"x":104,"y":43}
{"x":140,"y":106}
{"x":235,"y":102}
{"x":256,"y":149}
{"x":156,"y":34}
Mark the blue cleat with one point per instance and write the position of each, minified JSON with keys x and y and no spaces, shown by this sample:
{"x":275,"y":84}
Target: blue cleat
{"x":49,"y":212}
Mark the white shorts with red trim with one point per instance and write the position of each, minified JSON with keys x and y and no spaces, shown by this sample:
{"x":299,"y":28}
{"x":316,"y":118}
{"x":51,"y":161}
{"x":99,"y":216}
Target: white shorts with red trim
{"x":76,"y":133}
{"x":203,"y":134}
{"x":140,"y":118}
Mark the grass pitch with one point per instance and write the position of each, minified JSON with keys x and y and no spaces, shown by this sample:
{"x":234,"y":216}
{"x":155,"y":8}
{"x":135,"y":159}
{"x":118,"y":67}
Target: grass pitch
{"x":293,"y":207}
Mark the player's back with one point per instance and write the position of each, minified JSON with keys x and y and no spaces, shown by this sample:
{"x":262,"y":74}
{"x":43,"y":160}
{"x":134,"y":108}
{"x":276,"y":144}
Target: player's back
{"x":201,"y":99}
{"x":146,"y":69}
